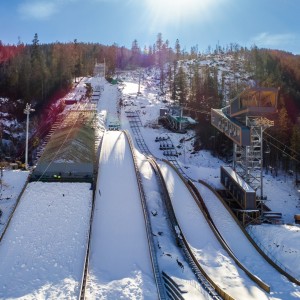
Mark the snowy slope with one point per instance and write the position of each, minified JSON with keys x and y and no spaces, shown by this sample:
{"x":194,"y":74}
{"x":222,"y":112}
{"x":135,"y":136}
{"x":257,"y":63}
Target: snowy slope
{"x":215,"y":261}
{"x":282,"y":242}
{"x":119,"y":262}
{"x":42,"y":252}
{"x":35,"y":281}
{"x":167,"y":251}
{"x":280,"y":287}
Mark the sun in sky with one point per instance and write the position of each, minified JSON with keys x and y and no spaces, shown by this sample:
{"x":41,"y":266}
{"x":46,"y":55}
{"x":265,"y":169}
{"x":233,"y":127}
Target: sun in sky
{"x":172,"y":12}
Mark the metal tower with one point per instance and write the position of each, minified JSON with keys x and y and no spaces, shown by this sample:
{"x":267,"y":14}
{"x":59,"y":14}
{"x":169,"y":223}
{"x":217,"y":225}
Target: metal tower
{"x":244,"y":122}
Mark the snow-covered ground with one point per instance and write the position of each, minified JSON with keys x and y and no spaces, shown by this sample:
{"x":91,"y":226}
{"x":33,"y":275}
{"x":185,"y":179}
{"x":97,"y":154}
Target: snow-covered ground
{"x":42,"y":252}
{"x":169,"y":255}
{"x":12,"y":183}
{"x":55,"y":271}
{"x":283,"y":196}
{"x":244,"y":250}
{"x":208,"y":251}
{"x":281,"y":243}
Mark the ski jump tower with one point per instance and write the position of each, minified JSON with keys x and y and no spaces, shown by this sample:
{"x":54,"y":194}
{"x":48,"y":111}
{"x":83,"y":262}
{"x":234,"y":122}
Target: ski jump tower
{"x":244,"y":121}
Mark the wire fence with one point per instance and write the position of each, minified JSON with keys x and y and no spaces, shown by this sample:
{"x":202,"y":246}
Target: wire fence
{"x":269,"y":254}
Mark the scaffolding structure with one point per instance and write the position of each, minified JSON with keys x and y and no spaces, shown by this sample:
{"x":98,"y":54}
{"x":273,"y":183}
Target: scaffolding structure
{"x":248,"y":160}
{"x":244,"y":120}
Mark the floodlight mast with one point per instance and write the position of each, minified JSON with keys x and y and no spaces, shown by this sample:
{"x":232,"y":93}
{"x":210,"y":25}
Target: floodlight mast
{"x":27,"y":111}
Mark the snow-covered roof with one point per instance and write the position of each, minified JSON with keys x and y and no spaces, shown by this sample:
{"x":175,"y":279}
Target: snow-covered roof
{"x":238,"y":179}
{"x":70,"y":145}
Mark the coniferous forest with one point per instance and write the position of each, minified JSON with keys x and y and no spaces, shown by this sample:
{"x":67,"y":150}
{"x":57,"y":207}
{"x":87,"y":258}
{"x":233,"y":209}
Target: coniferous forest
{"x":42,"y":73}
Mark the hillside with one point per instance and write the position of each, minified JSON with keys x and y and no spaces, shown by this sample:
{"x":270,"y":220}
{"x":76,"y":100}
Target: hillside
{"x":54,"y":206}
{"x":200,"y":81}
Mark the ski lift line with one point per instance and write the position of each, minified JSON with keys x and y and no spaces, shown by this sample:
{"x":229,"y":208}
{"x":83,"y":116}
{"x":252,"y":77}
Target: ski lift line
{"x":41,"y":133}
{"x":284,"y":152}
{"x":197,"y":110}
{"x":291,"y":150}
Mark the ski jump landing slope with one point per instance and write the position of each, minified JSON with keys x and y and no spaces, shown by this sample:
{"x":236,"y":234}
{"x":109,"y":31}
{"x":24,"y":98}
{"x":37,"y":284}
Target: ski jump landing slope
{"x":281,"y":287}
{"x":42,"y":252}
{"x":119,"y":261}
{"x":213,"y":258}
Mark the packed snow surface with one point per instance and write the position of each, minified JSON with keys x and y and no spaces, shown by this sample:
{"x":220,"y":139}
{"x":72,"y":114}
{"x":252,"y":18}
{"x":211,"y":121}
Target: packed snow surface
{"x":243,"y":249}
{"x":213,"y":258}
{"x":42,"y":252}
{"x":12,"y":182}
{"x":119,"y":262}
{"x":170,"y":258}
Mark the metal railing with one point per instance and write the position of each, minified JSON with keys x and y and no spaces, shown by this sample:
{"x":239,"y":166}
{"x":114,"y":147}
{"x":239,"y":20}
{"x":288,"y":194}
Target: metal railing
{"x":155,"y":265}
{"x":87,"y":253}
{"x":251,"y":240}
{"x":173,"y":289}
{"x":269,"y":254}
{"x":14,"y":208}
{"x":206,"y":282}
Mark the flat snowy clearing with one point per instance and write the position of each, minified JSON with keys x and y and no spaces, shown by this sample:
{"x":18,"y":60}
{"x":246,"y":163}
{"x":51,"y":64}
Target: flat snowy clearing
{"x":42,"y":252}
{"x":13,"y":182}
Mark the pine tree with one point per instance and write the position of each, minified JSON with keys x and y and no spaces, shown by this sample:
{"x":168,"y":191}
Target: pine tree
{"x":283,"y":125}
{"x":181,"y":86}
{"x":38,"y":71}
{"x":161,"y":55}
{"x":77,"y":60}
{"x":35,"y":52}
{"x":197,"y":85}
{"x":136,"y":54}
{"x":295,"y":142}
{"x":177,"y":50}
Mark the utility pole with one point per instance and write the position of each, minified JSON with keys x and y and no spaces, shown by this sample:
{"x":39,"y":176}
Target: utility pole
{"x":139,"y":90}
{"x":181,"y":115}
{"x":104,"y":69}
{"x":27,"y":111}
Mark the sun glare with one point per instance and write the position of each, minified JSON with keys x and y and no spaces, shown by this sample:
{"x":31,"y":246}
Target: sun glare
{"x":175,"y":11}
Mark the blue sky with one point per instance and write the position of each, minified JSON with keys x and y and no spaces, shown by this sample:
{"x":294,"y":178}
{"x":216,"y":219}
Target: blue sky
{"x":271,"y":24}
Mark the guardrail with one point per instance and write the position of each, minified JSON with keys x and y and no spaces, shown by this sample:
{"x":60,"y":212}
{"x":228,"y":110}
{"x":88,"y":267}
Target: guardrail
{"x":173,"y":290}
{"x":14,"y":209}
{"x":87,"y":253}
{"x":256,"y":246}
{"x":204,"y":279}
{"x":195,"y":286}
{"x":201,"y":204}
{"x":173,"y":162}
{"x":269,"y":254}
{"x":211,"y":288}
{"x":157,"y":275}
